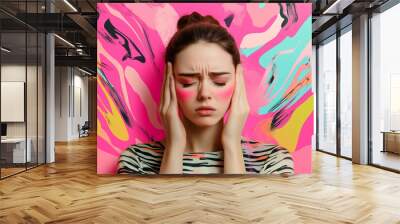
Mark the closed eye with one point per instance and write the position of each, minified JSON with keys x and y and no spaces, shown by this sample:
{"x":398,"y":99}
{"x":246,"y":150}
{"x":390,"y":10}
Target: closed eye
{"x":220,"y":84}
{"x":186,"y":85}
{"x":221,"y":80}
{"x":186,"y":82}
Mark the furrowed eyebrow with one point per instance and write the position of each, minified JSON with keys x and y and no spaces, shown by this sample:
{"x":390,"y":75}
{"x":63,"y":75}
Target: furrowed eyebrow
{"x":198,"y":74}
{"x":189,"y":74}
{"x":219,"y":73}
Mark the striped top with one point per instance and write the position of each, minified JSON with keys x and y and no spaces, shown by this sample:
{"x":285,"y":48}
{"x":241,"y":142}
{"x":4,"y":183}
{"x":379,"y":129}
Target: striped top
{"x":259,"y":158}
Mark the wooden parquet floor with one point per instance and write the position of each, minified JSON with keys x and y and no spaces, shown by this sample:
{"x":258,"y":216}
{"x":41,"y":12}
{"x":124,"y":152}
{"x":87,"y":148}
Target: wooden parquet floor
{"x":70,"y":191}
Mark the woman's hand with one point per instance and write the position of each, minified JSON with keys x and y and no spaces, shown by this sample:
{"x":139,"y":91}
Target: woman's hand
{"x":239,"y":109}
{"x":175,"y":131}
{"x":232,"y":130}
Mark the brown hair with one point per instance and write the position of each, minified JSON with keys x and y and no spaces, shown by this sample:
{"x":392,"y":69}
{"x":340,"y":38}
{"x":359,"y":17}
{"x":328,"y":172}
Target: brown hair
{"x":195,"y":27}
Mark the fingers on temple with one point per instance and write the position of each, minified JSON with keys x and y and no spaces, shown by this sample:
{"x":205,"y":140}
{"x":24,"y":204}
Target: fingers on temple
{"x":243,"y":97}
{"x":243,"y":90}
{"x":163,"y":86}
{"x":167,"y":94}
{"x":239,"y":80}
{"x":236,"y":91}
{"x":173,"y":90}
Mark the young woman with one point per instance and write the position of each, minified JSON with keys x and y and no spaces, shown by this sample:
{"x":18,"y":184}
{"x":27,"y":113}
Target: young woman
{"x":203,"y":81}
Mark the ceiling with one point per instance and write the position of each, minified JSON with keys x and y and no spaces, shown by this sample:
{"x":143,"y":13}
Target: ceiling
{"x":75,"y":22}
{"x":332,"y":15}
{"x":76,"y":25}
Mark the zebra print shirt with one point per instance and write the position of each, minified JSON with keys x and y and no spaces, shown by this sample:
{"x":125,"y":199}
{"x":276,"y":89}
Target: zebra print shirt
{"x":259,"y":158}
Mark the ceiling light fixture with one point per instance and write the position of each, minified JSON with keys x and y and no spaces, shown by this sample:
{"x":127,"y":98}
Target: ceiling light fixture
{"x":64,"y":40}
{"x":5,"y":50}
{"x":70,"y":5}
{"x":84,"y":71}
{"x":329,"y":9}
{"x":337,"y":7}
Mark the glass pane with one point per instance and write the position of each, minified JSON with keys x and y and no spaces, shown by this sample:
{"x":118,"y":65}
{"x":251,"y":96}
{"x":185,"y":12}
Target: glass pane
{"x":23,"y":87}
{"x":13,"y":87}
{"x":346,"y":94}
{"x":327,"y":97}
{"x":31,"y":98}
{"x":385,"y":89}
{"x":314,"y":78}
{"x":41,"y":98}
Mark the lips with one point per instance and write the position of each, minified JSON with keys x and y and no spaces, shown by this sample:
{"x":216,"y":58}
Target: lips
{"x":205,"y":110}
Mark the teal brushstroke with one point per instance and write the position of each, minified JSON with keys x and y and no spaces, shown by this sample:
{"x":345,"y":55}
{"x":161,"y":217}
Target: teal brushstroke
{"x":261,"y":5}
{"x":284,"y":63}
{"x":302,"y":90}
{"x":303,"y":35}
{"x":102,"y":75}
{"x":249,"y":51}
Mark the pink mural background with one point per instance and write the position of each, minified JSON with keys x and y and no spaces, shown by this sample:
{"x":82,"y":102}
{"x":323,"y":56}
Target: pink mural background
{"x":275,"y":46}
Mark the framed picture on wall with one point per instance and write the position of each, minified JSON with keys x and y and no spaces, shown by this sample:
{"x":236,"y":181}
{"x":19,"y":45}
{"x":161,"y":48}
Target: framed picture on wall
{"x":12,"y":101}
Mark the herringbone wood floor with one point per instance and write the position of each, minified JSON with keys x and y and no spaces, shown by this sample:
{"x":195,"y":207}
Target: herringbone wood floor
{"x":70,"y":191}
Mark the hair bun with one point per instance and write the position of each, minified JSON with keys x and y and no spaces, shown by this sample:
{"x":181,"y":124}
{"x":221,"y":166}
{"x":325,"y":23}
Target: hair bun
{"x":194,"y":18}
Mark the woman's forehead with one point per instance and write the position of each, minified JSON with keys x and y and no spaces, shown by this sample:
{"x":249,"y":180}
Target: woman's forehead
{"x":202,"y":56}
{"x":199,"y":74}
{"x":202,"y":67}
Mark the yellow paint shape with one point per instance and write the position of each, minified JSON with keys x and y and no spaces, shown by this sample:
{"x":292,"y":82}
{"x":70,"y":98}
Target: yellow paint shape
{"x":287,"y":136}
{"x":98,"y":127}
{"x":114,"y":118}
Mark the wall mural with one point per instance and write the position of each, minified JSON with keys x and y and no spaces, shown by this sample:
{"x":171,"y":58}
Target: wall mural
{"x":275,"y":46}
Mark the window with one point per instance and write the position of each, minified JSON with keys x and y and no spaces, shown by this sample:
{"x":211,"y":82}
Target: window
{"x":327,"y":96}
{"x":385,"y":89}
{"x":346,"y":93}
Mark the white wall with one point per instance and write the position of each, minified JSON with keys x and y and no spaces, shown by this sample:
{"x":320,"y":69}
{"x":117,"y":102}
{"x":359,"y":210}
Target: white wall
{"x":13,"y":72}
{"x":62,"y":78}
{"x":81,"y":84}
{"x":71,"y":94}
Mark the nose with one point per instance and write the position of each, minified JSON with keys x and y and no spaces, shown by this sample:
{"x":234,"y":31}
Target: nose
{"x":204,"y":91}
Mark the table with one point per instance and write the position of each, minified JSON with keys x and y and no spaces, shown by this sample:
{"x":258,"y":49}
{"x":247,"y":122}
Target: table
{"x":391,"y":141}
{"x":16,"y":147}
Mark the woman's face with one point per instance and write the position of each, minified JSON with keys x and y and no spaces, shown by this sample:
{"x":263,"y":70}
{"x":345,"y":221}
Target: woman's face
{"x":204,"y":75}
